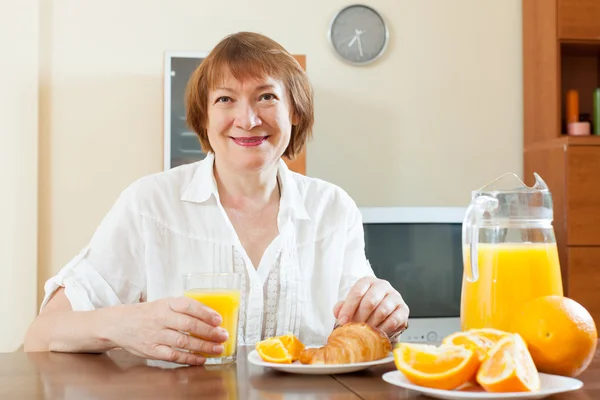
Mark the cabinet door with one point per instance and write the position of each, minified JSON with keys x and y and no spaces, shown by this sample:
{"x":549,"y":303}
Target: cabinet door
{"x":579,"y":19}
{"x":583,"y":195}
{"x":584,"y":278}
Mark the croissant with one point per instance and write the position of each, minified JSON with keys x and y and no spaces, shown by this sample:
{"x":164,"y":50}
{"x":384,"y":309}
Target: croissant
{"x":353,"y":342}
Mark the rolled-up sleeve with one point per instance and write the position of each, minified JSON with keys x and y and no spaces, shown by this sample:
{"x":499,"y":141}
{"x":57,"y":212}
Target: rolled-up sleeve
{"x":355,"y":264}
{"x":109,"y":271}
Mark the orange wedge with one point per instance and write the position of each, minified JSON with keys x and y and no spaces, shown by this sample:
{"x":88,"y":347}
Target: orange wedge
{"x":273,"y":350}
{"x":293,"y":345}
{"x":445,"y":367}
{"x":509,"y":367}
{"x":478,"y":343}
{"x":493,"y":335}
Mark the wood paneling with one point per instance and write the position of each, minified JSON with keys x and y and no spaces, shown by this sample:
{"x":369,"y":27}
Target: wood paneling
{"x":578,"y":19}
{"x":298,"y":164}
{"x":549,"y":163}
{"x":540,"y":71}
{"x":584,"y":282}
{"x":583,"y":188}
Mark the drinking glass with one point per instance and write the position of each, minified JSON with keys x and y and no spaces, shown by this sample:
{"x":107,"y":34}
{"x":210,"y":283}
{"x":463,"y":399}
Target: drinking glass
{"x":220,"y":292}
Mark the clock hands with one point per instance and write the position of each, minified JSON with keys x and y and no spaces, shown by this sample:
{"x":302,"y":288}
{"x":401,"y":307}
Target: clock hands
{"x":359,"y":46}
{"x":356,"y":39}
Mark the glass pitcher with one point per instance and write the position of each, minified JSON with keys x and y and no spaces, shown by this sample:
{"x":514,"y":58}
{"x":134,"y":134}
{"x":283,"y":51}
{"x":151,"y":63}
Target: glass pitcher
{"x":509,"y":252}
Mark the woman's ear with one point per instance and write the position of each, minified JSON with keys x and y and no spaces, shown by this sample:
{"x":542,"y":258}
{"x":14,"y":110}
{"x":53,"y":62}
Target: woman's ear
{"x":295,"y":119}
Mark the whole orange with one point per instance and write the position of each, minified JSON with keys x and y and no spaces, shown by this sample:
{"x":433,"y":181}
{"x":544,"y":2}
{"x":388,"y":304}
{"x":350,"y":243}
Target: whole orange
{"x":560,"y":334}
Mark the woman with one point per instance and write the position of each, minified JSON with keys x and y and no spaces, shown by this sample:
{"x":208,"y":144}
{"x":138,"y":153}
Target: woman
{"x":297,"y":241}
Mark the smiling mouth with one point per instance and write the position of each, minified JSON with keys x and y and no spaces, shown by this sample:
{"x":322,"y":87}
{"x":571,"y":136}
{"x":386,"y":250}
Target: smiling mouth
{"x":250,"y":141}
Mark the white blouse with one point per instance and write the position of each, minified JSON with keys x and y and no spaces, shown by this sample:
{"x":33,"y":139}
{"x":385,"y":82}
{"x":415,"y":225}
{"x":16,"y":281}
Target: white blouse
{"x":172,"y":222}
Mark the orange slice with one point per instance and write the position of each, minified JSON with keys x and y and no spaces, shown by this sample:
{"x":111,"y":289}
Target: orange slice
{"x":493,"y":335}
{"x":478,"y":343}
{"x":272,"y":350}
{"x":509,"y":367}
{"x":293,"y":345}
{"x":445,"y":367}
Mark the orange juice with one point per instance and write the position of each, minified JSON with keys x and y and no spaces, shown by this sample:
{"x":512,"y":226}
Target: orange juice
{"x":226,"y":302}
{"x":510,"y":274}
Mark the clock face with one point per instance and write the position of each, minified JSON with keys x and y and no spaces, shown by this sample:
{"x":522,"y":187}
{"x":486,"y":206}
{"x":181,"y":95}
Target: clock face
{"x":358,"y":34}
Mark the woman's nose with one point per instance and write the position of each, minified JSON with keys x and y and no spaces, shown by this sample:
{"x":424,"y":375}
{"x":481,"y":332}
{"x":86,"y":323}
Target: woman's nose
{"x":246,"y":117}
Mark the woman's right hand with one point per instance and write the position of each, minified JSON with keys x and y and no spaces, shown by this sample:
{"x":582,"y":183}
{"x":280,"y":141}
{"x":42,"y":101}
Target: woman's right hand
{"x":155,"y":330}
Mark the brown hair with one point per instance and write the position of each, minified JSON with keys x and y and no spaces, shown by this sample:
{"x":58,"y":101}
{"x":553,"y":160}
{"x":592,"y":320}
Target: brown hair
{"x":251,"y":55}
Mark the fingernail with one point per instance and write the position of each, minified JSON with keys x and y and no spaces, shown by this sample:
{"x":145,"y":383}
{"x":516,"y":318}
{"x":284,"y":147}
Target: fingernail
{"x":218,"y":348}
{"x":216,"y":320}
{"x":223,"y":335}
{"x":343,"y":320}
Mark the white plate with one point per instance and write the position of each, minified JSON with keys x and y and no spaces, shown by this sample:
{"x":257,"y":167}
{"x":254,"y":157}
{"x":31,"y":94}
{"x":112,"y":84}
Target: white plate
{"x":310,"y":369}
{"x":550,"y":384}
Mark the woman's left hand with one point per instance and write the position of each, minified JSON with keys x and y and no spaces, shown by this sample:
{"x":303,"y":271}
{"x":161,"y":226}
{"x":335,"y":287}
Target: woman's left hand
{"x":375,"y":302}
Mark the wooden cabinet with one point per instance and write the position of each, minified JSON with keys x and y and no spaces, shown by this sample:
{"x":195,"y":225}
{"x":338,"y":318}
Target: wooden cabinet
{"x":583,"y":196}
{"x":578,"y":19}
{"x":571,"y":169}
{"x":584,"y":285}
{"x":561,"y":51}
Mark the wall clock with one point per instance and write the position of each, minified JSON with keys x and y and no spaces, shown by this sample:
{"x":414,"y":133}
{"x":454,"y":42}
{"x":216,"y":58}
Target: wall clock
{"x":358,"y":34}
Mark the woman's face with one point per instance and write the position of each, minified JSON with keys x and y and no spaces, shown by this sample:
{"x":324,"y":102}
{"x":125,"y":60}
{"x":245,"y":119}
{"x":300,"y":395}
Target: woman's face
{"x":249,"y":122}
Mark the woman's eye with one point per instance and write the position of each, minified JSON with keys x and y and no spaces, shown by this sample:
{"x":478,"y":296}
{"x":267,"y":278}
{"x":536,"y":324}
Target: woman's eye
{"x":223,"y":99}
{"x":267,"y":96}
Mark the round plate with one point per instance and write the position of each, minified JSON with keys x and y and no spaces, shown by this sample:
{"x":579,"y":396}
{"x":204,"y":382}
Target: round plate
{"x":550,"y":384}
{"x":319,"y":369}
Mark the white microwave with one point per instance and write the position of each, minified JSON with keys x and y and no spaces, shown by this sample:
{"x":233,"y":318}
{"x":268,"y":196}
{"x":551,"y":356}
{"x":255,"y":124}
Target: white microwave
{"x":419,"y":251}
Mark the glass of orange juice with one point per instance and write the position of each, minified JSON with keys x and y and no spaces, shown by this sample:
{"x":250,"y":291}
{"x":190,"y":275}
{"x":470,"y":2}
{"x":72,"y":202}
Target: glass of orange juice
{"x":220,"y":292}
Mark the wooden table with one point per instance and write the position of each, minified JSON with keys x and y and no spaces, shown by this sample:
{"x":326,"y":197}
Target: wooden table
{"x":119,"y":375}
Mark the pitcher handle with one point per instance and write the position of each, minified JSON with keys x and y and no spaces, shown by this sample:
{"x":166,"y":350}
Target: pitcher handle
{"x":471,"y":225}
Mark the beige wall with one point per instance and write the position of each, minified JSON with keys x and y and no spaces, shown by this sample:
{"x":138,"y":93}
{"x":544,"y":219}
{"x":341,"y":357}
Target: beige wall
{"x":438,"y":116}
{"x":18,"y":169}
